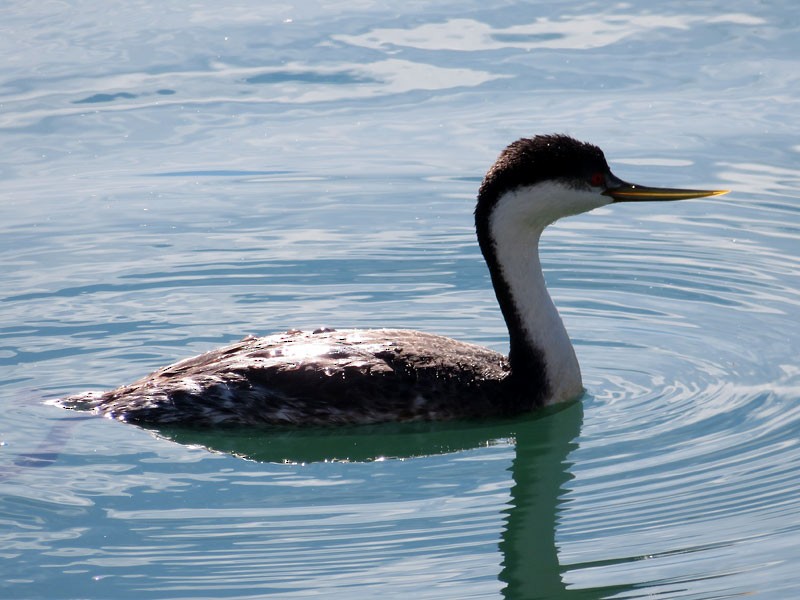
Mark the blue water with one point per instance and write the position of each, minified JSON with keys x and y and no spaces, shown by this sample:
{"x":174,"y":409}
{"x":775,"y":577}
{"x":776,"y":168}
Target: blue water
{"x":175,"y":176}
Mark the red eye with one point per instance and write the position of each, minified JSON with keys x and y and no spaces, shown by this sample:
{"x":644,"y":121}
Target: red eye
{"x":597,"y":180}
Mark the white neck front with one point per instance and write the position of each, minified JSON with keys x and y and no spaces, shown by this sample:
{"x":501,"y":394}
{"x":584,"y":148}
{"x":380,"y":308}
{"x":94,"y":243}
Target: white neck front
{"x":515,"y":231}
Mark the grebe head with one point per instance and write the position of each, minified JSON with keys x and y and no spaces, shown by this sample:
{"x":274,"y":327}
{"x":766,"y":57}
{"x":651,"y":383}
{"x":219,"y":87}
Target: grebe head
{"x":544,"y":178}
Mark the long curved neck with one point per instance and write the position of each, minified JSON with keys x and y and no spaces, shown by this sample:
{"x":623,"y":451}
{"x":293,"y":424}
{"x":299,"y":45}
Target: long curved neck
{"x":541,"y":355}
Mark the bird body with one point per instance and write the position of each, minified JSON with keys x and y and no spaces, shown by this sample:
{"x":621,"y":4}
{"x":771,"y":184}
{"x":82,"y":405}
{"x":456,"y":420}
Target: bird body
{"x":321,"y":377}
{"x":328,"y":377}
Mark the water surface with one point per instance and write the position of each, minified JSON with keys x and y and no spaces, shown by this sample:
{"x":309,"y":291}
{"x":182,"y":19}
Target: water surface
{"x":176,"y":177}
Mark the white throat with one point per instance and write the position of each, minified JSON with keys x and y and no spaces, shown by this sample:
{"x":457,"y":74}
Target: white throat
{"x":516,"y":225}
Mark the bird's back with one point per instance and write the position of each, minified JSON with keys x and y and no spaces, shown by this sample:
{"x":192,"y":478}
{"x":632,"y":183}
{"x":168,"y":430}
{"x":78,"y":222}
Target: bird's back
{"x":322,"y":377}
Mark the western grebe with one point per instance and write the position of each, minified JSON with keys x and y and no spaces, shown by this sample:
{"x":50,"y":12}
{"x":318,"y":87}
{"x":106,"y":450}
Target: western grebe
{"x":354,"y":376}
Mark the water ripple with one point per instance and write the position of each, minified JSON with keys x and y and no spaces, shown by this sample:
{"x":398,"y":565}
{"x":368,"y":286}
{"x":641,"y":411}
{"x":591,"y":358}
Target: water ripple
{"x":174,"y":178}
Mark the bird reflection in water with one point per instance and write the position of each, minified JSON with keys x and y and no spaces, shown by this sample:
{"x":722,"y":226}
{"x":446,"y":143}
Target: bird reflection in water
{"x":540,"y":472}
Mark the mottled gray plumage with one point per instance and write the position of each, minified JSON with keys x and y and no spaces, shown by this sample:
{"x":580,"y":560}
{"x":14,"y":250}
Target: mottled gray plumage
{"x":319,"y":378}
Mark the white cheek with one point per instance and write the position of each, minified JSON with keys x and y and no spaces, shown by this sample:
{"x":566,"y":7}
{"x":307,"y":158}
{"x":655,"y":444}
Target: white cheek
{"x":541,"y":204}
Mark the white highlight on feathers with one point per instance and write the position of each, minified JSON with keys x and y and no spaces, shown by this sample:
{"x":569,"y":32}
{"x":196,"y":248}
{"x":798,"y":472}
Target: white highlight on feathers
{"x":516,"y":225}
{"x":189,"y":385}
{"x":304,"y":350}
